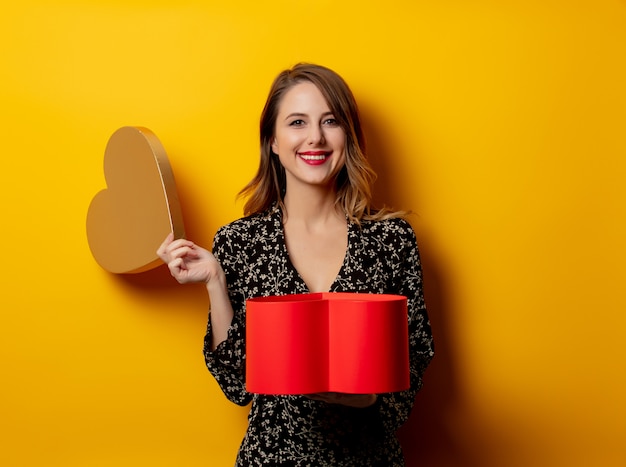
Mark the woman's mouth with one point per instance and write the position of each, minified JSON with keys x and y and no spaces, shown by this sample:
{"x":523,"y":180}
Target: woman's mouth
{"x":314,"y":157}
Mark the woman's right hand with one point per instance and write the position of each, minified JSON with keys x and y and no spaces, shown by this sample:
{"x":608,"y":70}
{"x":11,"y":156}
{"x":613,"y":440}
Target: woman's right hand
{"x":188,"y":262}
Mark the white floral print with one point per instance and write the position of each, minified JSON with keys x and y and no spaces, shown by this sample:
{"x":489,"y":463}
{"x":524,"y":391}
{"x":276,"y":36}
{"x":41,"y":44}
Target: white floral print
{"x":382,"y":257}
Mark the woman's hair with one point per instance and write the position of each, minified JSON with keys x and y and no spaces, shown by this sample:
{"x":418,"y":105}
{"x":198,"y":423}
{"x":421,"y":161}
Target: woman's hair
{"x":354,"y":181}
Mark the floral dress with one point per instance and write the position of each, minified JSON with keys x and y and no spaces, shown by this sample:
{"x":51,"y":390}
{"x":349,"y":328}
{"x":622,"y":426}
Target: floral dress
{"x":382,"y":257}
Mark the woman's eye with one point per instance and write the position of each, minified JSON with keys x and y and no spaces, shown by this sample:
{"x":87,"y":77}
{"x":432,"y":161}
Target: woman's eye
{"x":330,"y":122}
{"x":297,"y":123}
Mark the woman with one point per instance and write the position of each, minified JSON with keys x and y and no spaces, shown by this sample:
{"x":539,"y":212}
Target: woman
{"x":309,"y":227}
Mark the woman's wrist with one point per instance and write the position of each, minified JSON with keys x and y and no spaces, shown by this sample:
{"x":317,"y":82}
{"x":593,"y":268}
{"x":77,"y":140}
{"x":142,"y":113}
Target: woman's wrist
{"x":373,"y":398}
{"x":216,"y":280}
{"x":362,"y":401}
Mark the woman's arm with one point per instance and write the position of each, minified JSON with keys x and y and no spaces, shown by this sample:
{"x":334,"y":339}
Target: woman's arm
{"x":224,"y":341}
{"x":221,"y":311}
{"x":190,"y":263}
{"x":224,"y":347}
{"x":395,"y":408}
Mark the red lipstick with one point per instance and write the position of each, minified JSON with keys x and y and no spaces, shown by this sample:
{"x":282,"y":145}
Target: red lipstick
{"x":314,"y":157}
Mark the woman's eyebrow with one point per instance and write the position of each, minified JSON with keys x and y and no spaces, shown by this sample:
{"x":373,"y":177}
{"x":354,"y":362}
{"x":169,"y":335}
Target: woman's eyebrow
{"x":300,"y":114}
{"x":295,"y":114}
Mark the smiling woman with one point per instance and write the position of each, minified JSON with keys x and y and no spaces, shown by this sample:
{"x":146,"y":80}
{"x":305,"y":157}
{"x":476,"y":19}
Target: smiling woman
{"x":353,"y":182}
{"x":308,"y":136}
{"x":309,"y":227}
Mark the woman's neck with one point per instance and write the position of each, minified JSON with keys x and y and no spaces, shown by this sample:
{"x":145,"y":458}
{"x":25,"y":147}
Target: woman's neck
{"x":311,"y":206}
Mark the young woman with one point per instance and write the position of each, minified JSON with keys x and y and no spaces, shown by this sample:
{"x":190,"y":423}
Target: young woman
{"x":309,"y":227}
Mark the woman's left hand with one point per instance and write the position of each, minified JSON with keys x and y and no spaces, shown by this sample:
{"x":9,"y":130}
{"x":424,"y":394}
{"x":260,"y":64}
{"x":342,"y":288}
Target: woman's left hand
{"x":351,"y":400}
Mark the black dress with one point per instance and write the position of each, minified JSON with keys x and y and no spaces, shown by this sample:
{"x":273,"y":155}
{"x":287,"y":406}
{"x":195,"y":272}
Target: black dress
{"x":382,"y":257}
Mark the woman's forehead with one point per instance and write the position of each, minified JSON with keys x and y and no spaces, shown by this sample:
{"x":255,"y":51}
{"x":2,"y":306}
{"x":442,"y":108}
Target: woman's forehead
{"x":303,"y":97}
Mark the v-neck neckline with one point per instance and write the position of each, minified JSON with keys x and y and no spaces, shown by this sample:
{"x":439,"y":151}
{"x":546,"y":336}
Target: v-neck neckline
{"x":281,"y":229}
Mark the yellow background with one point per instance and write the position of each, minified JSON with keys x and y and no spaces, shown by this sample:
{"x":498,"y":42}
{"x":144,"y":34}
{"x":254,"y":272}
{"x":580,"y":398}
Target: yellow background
{"x":501,"y":124}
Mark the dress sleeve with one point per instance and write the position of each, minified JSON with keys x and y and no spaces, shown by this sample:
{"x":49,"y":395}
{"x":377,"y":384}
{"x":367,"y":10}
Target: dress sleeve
{"x":395,"y":408}
{"x":227,"y":362}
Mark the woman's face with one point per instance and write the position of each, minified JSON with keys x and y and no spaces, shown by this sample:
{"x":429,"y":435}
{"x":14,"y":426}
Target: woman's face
{"x":307,"y":139}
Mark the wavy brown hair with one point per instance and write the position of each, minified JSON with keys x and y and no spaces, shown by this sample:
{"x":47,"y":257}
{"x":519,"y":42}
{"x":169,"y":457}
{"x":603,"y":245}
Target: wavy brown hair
{"x":353,"y":184}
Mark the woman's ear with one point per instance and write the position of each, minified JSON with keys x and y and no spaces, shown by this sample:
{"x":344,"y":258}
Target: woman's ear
{"x":274,"y":146}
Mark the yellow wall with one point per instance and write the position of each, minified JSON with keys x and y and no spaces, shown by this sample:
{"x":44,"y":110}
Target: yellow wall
{"x":500,"y":123}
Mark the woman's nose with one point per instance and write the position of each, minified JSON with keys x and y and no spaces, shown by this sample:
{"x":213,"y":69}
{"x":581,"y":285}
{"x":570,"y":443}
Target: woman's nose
{"x":315,"y":136}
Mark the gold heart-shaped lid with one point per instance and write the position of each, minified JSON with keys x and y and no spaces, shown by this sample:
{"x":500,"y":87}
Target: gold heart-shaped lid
{"x":127,"y":221}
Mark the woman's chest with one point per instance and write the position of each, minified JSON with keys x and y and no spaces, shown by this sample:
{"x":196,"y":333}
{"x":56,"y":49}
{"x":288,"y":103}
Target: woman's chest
{"x":269,"y":270}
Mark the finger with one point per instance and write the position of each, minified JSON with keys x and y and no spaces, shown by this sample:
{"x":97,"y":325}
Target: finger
{"x":320,"y":397}
{"x":180,"y":243}
{"x":178,"y":270}
{"x":162,"y":248}
{"x":183,"y":252}
{"x":176,"y":265}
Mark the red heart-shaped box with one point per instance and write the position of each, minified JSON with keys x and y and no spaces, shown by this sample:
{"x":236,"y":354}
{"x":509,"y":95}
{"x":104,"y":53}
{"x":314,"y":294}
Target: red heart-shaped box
{"x":354,"y":343}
